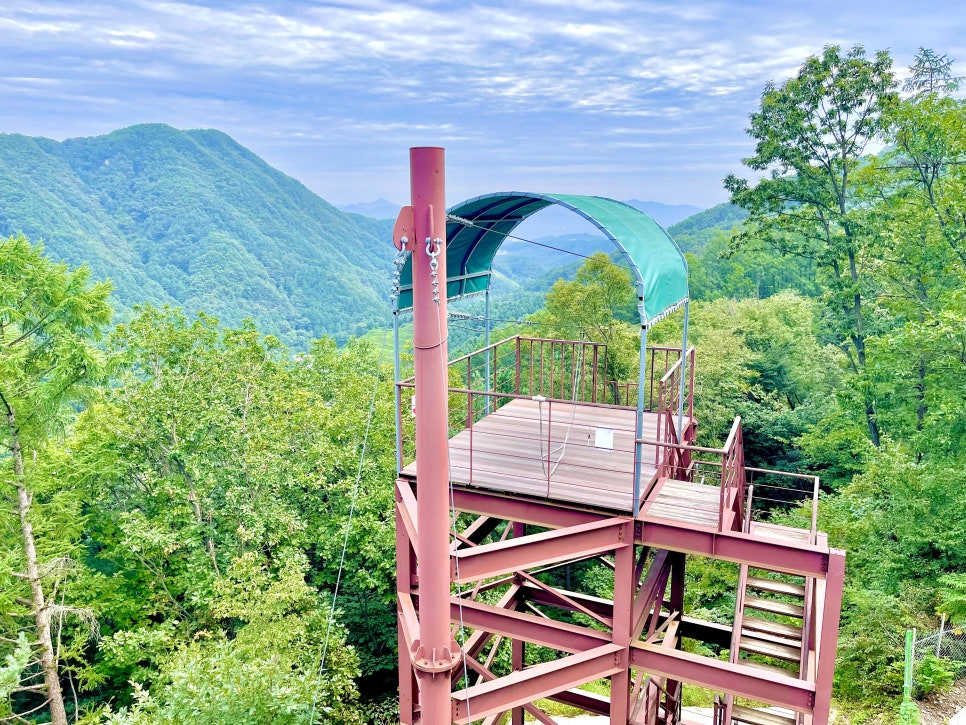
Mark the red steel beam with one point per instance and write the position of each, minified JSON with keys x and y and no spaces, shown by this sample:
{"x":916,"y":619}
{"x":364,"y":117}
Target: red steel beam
{"x":831,"y":607}
{"x":585,"y":700}
{"x":741,"y":680}
{"x":546,"y":632}
{"x":488,"y":676}
{"x":510,"y":508}
{"x":548,"y":678}
{"x":600,"y":607}
{"x":406,"y":512}
{"x":488,"y":560}
{"x":772,"y":554}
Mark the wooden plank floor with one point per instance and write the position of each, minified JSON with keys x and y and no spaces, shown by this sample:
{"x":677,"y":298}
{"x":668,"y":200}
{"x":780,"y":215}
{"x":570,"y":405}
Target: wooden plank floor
{"x":507,"y":452}
{"x":685,"y":502}
{"x":548,"y":450}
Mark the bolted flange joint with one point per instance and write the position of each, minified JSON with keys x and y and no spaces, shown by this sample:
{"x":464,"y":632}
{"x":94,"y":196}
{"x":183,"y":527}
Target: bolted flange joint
{"x":436,"y":661}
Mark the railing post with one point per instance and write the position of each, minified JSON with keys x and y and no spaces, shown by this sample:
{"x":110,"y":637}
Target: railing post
{"x":681,"y":371}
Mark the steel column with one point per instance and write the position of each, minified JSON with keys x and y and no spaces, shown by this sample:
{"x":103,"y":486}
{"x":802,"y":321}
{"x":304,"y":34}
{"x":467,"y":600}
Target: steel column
{"x":435,"y":652}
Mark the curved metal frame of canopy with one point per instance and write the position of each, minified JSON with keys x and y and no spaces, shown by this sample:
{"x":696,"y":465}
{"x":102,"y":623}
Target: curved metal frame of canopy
{"x":477,"y":227}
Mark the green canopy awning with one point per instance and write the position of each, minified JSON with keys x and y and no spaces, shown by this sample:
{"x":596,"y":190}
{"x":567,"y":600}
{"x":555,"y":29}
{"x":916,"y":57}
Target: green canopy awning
{"x":476,"y":228}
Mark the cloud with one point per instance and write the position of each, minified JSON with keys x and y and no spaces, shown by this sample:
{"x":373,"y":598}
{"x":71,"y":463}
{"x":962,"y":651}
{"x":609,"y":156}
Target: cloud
{"x":617,"y":84}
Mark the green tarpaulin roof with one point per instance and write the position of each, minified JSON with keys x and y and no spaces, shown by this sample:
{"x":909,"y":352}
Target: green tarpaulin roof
{"x":476,"y":228}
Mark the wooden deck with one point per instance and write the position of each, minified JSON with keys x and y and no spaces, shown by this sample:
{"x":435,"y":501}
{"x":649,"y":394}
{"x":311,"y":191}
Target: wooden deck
{"x":549,"y":450}
{"x":557,"y":451}
{"x":507,"y":452}
{"x":684,"y":502}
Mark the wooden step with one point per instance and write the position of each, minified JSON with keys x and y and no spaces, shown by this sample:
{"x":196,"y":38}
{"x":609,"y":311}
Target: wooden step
{"x":775,"y":607}
{"x":740,"y":713}
{"x":789,"y":631}
{"x":785,"y":652}
{"x":769,"y":668}
{"x":776,"y":587}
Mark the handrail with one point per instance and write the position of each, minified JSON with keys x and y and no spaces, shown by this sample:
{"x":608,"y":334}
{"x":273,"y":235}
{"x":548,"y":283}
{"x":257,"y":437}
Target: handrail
{"x":672,"y":700}
{"x":732,"y":479}
{"x":814,"y":523}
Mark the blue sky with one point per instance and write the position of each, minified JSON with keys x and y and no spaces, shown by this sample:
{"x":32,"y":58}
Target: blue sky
{"x":627,"y":99}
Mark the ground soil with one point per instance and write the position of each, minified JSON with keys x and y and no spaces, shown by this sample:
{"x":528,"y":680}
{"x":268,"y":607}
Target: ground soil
{"x":940,"y":707}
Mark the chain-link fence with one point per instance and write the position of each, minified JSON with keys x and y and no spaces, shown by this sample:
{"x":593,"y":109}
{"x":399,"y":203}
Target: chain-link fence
{"x":948,"y":644}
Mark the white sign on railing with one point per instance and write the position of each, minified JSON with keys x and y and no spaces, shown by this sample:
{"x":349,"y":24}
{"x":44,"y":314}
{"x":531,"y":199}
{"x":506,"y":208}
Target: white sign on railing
{"x":604,"y":438}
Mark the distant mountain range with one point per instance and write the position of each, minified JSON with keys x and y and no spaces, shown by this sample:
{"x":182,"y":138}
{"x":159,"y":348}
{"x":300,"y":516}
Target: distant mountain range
{"x":378,"y":209}
{"x":192,"y":219}
{"x":549,"y":222}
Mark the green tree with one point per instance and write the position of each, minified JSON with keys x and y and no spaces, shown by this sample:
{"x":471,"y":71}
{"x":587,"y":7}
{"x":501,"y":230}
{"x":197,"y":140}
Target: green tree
{"x":217,"y":452}
{"x":931,"y":73}
{"x":811,"y":134}
{"x":598,"y":304}
{"x":50,"y":317}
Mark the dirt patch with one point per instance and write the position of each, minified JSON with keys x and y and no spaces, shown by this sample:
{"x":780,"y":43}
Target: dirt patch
{"x":940,"y":707}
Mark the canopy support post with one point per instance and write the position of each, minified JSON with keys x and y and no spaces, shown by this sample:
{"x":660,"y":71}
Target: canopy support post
{"x":639,"y":426}
{"x":489,"y":352}
{"x":397,"y":393}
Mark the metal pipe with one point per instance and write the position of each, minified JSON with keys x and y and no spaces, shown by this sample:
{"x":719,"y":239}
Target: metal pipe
{"x":397,"y":373}
{"x":437,"y":654}
{"x":639,"y":425}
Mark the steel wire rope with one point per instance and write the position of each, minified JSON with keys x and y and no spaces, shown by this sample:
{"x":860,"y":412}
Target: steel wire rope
{"x":348,"y":526}
{"x":562,"y":448}
{"x":507,"y":235}
{"x":449,"y":466}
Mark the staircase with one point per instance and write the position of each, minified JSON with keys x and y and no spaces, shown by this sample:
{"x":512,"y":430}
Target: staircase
{"x":770,"y":620}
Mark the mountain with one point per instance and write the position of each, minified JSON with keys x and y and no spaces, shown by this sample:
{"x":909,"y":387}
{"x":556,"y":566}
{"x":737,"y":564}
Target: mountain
{"x":378,"y":209}
{"x":665,"y":214}
{"x":195,"y":220}
{"x":694,"y":233}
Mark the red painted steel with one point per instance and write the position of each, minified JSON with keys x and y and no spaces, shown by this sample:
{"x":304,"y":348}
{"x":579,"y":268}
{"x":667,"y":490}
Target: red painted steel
{"x":536,"y":682}
{"x":434,"y":652}
{"x":516,"y":569}
{"x":829,"y":627}
{"x":546,"y":632}
{"x":538,"y":549}
{"x":742,"y":680}
{"x":788,"y":557}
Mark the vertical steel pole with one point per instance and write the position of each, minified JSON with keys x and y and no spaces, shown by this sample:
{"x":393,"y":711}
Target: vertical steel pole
{"x":639,"y":426}
{"x":437,"y":653}
{"x":939,"y":640}
{"x":397,"y":393}
{"x":489,"y":352}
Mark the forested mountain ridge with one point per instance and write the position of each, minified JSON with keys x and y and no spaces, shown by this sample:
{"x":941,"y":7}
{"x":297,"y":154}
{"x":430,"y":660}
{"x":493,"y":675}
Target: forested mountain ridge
{"x":195,"y":220}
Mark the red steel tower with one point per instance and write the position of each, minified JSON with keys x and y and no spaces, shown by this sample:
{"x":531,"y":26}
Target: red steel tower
{"x":531,"y":479}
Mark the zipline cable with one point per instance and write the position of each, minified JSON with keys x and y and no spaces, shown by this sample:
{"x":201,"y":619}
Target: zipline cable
{"x":348,"y":526}
{"x":507,"y":235}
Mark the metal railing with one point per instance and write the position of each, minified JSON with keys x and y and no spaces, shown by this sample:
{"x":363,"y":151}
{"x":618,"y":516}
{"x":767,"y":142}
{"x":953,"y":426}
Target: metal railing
{"x":674,"y":460}
{"x":658,"y":696}
{"x":558,"y":370}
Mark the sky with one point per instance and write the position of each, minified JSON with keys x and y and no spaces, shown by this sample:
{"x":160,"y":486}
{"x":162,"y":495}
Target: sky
{"x":621,"y":98}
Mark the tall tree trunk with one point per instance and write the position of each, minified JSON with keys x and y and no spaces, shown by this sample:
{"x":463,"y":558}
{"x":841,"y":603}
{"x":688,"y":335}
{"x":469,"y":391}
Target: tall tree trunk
{"x":41,"y":613}
{"x":858,"y":342}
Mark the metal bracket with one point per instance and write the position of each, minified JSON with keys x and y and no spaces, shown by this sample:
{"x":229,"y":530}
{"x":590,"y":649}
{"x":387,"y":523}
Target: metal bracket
{"x":404,"y":231}
{"x":436,"y":662}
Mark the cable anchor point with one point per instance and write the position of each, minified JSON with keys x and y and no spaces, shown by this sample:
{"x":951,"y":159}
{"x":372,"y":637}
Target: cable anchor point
{"x":433,"y":248}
